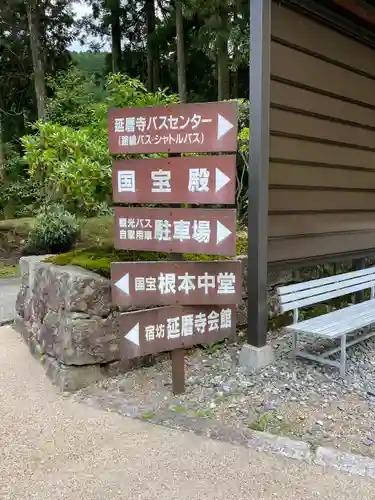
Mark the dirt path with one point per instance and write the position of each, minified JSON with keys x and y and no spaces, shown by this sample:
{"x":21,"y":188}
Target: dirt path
{"x":53,"y":447}
{"x":9,"y":289}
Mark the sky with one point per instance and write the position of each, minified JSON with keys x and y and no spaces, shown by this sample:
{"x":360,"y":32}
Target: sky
{"x":81,"y":10}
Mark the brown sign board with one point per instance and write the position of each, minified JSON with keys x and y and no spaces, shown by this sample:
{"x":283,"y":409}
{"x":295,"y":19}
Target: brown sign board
{"x":175,"y":128}
{"x":189,"y":179}
{"x":168,"y":328}
{"x":180,"y":230}
{"x":170,"y":283}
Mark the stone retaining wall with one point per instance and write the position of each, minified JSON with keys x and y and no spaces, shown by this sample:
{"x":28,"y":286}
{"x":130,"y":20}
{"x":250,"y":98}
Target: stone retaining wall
{"x":66,"y":317}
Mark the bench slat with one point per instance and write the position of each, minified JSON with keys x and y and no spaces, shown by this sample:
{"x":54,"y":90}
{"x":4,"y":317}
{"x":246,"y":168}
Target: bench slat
{"x":306,"y":285}
{"x":296,"y":304}
{"x":338,"y":322}
{"x":312,"y":292}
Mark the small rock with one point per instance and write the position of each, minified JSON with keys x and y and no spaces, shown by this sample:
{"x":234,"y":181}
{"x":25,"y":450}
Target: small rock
{"x":320,"y":423}
{"x":368,"y":442}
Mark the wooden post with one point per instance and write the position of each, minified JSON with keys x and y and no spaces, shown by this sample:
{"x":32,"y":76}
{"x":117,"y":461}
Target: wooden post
{"x":178,"y":371}
{"x":259,"y":110}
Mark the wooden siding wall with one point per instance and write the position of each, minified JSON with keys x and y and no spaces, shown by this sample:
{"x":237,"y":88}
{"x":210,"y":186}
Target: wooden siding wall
{"x":322,"y":144}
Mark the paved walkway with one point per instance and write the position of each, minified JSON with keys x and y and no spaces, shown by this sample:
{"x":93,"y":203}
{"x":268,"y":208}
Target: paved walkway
{"x":9,"y":289}
{"x":52,"y":447}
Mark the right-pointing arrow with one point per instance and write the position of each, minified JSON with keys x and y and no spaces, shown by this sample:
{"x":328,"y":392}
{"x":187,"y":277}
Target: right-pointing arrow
{"x":223,"y":126}
{"x":222,"y":232}
{"x":123,"y":284}
{"x":221,"y":180}
{"x":133,"y":335}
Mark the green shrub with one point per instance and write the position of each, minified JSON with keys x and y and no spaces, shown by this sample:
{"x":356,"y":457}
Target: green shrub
{"x":20,"y":196}
{"x":73,"y":163}
{"x":55,"y":231}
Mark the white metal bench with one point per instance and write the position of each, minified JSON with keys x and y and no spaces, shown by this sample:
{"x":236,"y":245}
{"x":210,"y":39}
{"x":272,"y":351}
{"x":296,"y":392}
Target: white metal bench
{"x":333,"y":325}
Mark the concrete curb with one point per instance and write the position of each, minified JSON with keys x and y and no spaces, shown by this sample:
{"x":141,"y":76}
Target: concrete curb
{"x":7,"y":322}
{"x":345,"y":462}
{"x":290,"y":448}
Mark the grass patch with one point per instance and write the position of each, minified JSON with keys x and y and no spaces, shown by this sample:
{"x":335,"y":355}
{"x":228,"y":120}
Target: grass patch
{"x":9,"y":271}
{"x":21,"y":226}
{"x":203,"y":414}
{"x":99,"y":258}
{"x":263,"y":424}
{"x":268,"y":422}
{"x":98,"y":231}
{"x":178,"y":408}
{"x":147,"y":415}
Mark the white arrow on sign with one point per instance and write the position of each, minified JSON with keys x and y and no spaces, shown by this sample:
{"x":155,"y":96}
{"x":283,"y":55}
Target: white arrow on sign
{"x":133,"y":335}
{"x":221,"y":180}
{"x":222,"y":232}
{"x":123,"y":284}
{"x":223,"y":126}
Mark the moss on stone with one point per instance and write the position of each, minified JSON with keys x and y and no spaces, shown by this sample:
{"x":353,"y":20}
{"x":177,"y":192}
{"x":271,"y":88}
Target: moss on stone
{"x":98,"y":259}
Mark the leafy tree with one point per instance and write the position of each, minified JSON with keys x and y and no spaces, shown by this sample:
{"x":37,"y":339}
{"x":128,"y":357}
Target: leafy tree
{"x":17,"y":96}
{"x":74,"y":165}
{"x":74,"y":93}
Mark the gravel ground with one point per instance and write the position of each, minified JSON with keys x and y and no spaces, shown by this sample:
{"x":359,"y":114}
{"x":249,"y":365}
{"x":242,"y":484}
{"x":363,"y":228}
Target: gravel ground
{"x":290,"y":398}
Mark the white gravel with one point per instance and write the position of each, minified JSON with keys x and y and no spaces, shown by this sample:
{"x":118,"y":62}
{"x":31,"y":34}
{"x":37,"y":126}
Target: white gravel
{"x":296,"y":399}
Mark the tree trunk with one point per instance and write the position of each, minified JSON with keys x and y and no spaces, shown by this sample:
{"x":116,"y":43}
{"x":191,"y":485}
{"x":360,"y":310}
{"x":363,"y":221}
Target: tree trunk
{"x":156,"y":68}
{"x":222,"y":58}
{"x":2,"y":152}
{"x":181,"y":67}
{"x":150,"y":21}
{"x":116,"y":36}
{"x":234,"y":93}
{"x":33,"y":16}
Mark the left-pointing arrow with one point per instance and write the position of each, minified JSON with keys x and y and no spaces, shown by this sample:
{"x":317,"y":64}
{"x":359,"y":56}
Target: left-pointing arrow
{"x":123,"y":284}
{"x":133,"y":335}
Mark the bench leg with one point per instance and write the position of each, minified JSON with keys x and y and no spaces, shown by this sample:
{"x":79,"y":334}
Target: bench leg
{"x":294,"y":344}
{"x":343,"y":356}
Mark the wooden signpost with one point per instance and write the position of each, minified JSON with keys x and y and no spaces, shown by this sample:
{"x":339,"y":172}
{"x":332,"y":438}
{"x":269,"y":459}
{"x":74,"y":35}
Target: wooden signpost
{"x":188,"y":179}
{"x":177,"y":128}
{"x":185,"y":230}
{"x":169,"y":328}
{"x":181,"y":282}
{"x":198,"y":298}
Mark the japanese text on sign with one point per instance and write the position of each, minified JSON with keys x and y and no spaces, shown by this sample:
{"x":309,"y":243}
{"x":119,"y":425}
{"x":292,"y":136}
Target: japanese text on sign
{"x":161,"y":180}
{"x":171,"y":283}
{"x":185,"y":325}
{"x":142,"y":125}
{"x":132,"y":124}
{"x":181,"y":230}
